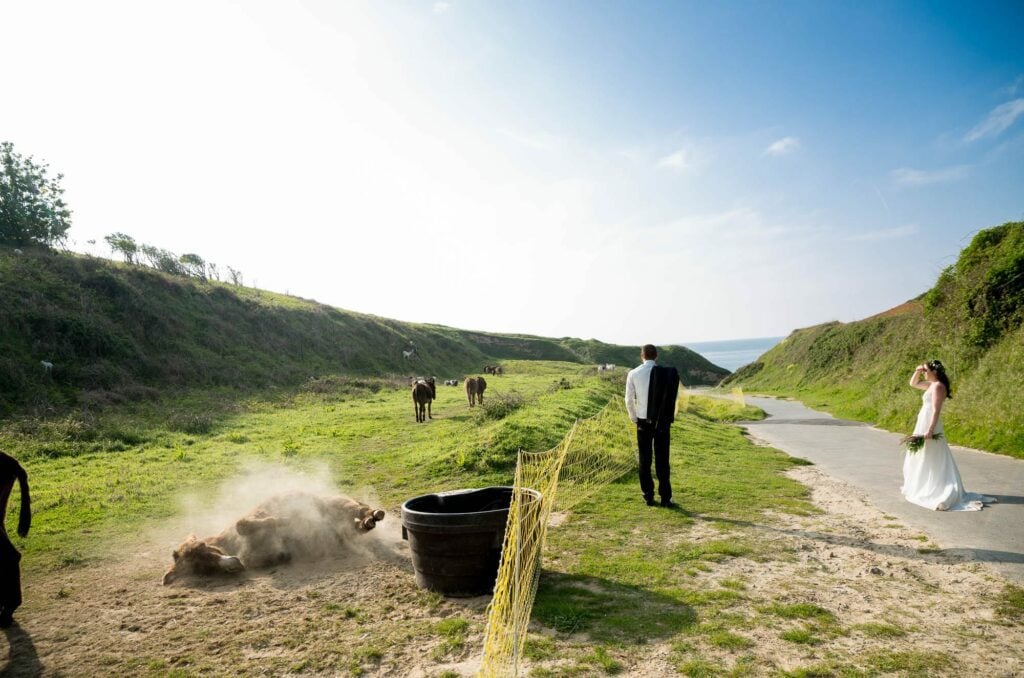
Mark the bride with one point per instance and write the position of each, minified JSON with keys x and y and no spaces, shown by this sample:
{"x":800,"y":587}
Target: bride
{"x":930,"y":476}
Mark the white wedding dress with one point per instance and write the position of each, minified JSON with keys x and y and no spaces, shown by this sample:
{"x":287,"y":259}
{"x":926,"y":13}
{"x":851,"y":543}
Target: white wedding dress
{"x":930,"y":476}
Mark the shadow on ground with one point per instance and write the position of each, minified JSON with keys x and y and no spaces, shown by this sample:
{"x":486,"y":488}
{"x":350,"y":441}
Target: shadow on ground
{"x":23,"y":660}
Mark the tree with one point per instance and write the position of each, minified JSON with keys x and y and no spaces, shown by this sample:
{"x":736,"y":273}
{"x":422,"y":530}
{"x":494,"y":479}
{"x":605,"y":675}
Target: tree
{"x":235,"y":276}
{"x":163,"y":260}
{"x":194,"y":265}
{"x":125,"y":244}
{"x":32,"y":208}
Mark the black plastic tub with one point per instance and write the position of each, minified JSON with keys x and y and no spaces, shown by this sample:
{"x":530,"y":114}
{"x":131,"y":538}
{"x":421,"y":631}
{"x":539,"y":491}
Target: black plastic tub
{"x":456,"y":538}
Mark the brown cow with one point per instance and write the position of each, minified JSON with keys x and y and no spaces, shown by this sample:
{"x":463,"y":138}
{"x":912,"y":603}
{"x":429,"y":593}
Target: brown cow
{"x":292,"y":526}
{"x":424,"y":391}
{"x":475,"y":389}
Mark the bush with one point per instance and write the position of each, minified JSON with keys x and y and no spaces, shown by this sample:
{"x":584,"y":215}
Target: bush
{"x":193,"y":424}
{"x":501,"y":405}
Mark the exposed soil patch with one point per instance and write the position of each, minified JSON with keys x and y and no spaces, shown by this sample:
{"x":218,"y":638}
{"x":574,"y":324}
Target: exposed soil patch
{"x":876,"y":591}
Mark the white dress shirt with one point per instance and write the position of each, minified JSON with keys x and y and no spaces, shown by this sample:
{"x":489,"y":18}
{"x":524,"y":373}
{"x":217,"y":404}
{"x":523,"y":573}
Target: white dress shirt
{"x":638,"y":384}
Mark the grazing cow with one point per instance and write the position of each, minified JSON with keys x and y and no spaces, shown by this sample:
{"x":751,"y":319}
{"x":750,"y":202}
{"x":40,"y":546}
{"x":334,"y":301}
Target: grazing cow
{"x":475,"y":389}
{"x":47,"y":367}
{"x":18,"y":252}
{"x":424,"y":391}
{"x":286,"y":527}
{"x":498,"y":371}
{"x":10,"y":559}
{"x":451,"y":382}
{"x":410,"y":354}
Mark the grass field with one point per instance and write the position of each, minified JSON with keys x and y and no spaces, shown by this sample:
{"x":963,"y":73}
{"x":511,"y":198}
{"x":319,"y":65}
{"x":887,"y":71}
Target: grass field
{"x":624,"y":585}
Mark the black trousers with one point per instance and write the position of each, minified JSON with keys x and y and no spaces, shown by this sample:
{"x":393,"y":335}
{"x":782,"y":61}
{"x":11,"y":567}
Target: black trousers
{"x":653,"y":442}
{"x":10,"y":579}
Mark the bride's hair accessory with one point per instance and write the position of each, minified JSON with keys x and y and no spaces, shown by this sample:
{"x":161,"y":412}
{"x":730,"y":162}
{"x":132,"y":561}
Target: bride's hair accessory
{"x":940,"y":370}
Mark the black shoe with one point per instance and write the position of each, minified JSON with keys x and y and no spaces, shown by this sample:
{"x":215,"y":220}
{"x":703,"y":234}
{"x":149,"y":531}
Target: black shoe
{"x":668,"y":503}
{"x":650,"y":502}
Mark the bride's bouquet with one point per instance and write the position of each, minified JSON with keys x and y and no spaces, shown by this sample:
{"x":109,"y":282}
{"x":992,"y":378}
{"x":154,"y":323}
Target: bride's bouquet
{"x":914,"y":443}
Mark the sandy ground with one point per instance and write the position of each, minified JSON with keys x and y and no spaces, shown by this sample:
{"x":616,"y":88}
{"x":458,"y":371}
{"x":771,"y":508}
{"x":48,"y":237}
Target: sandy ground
{"x":362,"y":613}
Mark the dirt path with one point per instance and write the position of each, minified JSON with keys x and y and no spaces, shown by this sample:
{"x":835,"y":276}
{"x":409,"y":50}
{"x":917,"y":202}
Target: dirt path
{"x":892,"y":600}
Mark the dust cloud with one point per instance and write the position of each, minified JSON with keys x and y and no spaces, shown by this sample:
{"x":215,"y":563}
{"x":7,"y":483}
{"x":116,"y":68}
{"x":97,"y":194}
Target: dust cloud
{"x":309,"y":528}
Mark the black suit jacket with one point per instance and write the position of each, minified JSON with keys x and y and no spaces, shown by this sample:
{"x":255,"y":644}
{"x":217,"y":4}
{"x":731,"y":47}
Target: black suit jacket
{"x":661,"y":398}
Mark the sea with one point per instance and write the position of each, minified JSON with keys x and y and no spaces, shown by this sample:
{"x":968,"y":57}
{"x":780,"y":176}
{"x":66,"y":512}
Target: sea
{"x":733,"y":353}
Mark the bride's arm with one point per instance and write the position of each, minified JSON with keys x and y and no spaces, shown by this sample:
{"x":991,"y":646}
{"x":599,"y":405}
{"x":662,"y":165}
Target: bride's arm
{"x":938,"y":398}
{"x":915,"y":378}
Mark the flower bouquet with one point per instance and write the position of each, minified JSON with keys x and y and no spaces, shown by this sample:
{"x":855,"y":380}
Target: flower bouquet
{"x":914,"y":443}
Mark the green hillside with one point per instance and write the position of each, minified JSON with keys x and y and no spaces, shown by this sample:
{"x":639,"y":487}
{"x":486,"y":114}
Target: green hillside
{"x":115,"y":331}
{"x":972,"y":320}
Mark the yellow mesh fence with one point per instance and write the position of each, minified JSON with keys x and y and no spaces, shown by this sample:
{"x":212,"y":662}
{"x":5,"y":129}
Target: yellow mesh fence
{"x":738,"y":397}
{"x":594,"y":453}
{"x":682,"y":399}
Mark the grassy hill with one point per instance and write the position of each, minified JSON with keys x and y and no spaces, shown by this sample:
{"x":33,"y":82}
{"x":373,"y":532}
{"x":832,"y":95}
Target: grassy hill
{"x":972,"y":320}
{"x":114,"y":331}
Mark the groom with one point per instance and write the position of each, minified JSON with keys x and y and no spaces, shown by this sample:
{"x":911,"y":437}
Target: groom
{"x":650,"y":400}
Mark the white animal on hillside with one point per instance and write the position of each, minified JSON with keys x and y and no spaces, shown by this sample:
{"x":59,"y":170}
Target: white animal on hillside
{"x":409,"y":354}
{"x":18,"y":252}
{"x":47,"y":366}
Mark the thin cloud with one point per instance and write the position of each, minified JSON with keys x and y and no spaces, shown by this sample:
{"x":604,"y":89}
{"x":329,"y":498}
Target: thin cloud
{"x":680,"y":160}
{"x":442,"y":7}
{"x":783,"y":146}
{"x":1014,"y":87}
{"x":688,"y":158}
{"x":906,"y":176}
{"x":998,"y":121}
{"x":538,"y":142}
{"x":884,"y":234}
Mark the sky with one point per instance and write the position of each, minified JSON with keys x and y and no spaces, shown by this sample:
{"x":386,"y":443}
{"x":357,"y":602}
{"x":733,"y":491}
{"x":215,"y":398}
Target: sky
{"x":628,"y":171}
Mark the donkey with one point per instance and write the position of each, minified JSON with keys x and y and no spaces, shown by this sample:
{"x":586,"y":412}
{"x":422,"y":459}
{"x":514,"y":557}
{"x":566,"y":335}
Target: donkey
{"x":475,"y":389}
{"x":10,"y":559}
{"x":285,"y":527}
{"x":423,"y":392}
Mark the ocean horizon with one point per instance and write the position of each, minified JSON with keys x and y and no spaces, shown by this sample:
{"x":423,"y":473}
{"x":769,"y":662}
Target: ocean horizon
{"x":733,"y":353}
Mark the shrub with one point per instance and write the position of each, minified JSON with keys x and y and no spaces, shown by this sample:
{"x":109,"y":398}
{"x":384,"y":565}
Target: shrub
{"x":501,"y":405}
{"x":193,"y":423}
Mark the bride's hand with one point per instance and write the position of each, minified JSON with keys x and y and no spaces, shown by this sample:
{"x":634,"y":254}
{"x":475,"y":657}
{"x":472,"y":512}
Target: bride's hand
{"x":928,"y":436}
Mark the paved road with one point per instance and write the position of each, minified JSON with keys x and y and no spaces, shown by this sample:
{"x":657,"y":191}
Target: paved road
{"x":871,"y":460}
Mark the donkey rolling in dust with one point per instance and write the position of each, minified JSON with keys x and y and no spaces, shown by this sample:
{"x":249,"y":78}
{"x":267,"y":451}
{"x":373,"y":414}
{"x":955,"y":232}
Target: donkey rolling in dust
{"x":286,"y":527}
{"x":10,"y":559}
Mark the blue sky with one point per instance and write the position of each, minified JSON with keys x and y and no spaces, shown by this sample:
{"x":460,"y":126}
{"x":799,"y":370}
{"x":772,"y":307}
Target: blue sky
{"x":627,"y":171}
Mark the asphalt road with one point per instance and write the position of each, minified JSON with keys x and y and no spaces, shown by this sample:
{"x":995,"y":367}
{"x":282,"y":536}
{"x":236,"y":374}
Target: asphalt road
{"x":872,"y":460}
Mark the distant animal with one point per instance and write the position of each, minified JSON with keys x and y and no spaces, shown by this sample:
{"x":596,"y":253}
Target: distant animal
{"x":605,"y":368}
{"x":47,"y":367}
{"x":410,"y":354}
{"x":475,"y":387}
{"x":488,"y":369}
{"x":498,"y":371}
{"x":286,"y":527}
{"x":451,"y":382}
{"x":10,"y":559}
{"x":424,"y":391}
{"x":18,"y":252}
